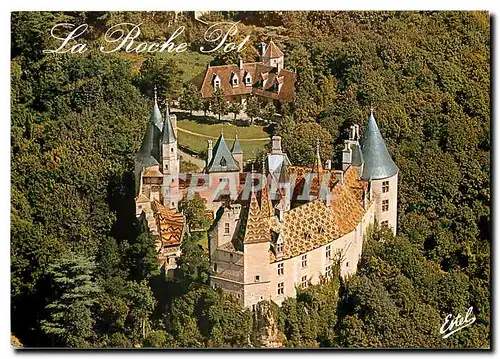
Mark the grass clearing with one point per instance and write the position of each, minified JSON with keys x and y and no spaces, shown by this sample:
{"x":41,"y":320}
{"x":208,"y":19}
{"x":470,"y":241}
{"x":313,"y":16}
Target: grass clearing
{"x":214,"y":130}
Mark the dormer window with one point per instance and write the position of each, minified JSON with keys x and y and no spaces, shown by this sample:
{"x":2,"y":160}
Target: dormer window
{"x":248,"y":79}
{"x":216,"y":81}
{"x":234,"y":79}
{"x":223,"y":162}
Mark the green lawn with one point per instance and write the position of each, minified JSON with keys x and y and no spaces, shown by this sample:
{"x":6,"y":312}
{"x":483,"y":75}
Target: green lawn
{"x":214,"y":129}
{"x":198,"y":144}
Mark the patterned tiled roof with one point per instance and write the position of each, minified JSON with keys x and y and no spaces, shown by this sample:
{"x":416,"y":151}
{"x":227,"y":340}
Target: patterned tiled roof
{"x":307,"y":227}
{"x":346,"y":207}
{"x":170,"y":224}
{"x":257,"y":227}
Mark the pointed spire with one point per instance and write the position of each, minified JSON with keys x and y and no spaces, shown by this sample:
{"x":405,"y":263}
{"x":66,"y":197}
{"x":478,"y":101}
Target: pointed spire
{"x":378,"y":163}
{"x":221,"y":151}
{"x":168,"y":129}
{"x":236,"y":149}
{"x":156,"y":118}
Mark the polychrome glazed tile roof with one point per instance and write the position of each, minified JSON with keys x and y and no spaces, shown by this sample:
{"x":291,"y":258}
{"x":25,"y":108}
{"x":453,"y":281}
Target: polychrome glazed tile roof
{"x":170,"y":224}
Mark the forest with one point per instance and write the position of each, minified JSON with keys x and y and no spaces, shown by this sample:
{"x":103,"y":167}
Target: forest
{"x":83,"y":270}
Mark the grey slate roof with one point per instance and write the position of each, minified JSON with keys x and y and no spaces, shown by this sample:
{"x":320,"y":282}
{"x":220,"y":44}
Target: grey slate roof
{"x":378,"y":163}
{"x":144,"y":155}
{"x":168,"y":130}
{"x":149,"y":152}
{"x":156,"y":116}
{"x":236,"y":149}
{"x":222,"y":159}
{"x":357,"y":154}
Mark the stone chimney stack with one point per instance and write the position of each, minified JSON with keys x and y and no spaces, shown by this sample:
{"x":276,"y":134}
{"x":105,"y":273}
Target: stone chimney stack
{"x":346,"y":156}
{"x":276,"y":145}
{"x":209,"y":152}
{"x":240,"y":62}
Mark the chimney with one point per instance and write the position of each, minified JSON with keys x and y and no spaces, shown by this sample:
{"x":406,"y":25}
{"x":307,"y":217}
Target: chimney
{"x":263,"y":48}
{"x":346,"y":156}
{"x":241,"y":62}
{"x":276,"y":145}
{"x":209,"y":152}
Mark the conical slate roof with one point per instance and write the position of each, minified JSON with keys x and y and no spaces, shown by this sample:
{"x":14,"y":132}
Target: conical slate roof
{"x":378,"y":163}
{"x":236,"y":149}
{"x":156,"y":118}
{"x":222,"y":159}
{"x":168,"y":129}
{"x":149,"y":152}
{"x":144,"y":155}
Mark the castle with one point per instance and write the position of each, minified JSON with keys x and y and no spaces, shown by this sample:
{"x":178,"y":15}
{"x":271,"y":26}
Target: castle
{"x":157,"y":166}
{"x":266,"y":238}
{"x":266,"y":79}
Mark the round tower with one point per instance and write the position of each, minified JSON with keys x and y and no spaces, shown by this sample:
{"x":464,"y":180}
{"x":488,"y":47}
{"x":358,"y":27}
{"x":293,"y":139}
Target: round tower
{"x":382,"y":173}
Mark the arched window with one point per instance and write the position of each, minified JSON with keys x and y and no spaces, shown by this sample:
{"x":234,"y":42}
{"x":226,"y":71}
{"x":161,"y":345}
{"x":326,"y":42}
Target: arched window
{"x":223,"y":162}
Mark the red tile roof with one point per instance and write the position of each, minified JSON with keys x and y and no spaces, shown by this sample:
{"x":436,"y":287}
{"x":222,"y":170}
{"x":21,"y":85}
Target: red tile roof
{"x":273,"y":51}
{"x":258,"y":71}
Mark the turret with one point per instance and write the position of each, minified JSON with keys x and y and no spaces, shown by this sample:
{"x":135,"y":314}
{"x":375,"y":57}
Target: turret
{"x":256,"y":242}
{"x":273,"y":56}
{"x":382,"y":173}
{"x":170,"y":160}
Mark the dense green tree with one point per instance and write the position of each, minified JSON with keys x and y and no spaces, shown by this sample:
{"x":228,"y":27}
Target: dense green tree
{"x":163,"y":73}
{"x":195,"y":211}
{"x":235,"y":108}
{"x":253,"y":108}
{"x":218,"y":103}
{"x":190,"y":99}
{"x":70,"y":319}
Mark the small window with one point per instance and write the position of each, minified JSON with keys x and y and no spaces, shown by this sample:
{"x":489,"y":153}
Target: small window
{"x":215,"y":267}
{"x":321,"y":230}
{"x":214,"y":286}
{"x":304,"y":282}
{"x":328,"y":271}
{"x":279,"y":247}
{"x":223,"y":162}
{"x":307,"y":235}
{"x":347,"y":264}
{"x":257,"y":278}
{"x":304,"y":261}
{"x":384,"y":224}
{"x":281,"y":288}
{"x":226,"y":228}
{"x":253,"y":307}
{"x":385,"y":205}
{"x":281,"y":269}
{"x":238,"y":295}
{"x":231,"y":255}
{"x":235,"y":81}
{"x":385,"y":186}
{"x":216,"y":83}
{"x":328,"y":251}
{"x":171,"y":149}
